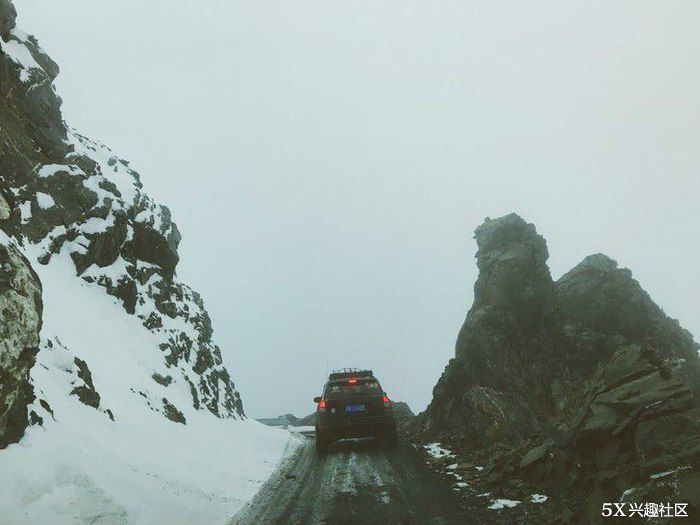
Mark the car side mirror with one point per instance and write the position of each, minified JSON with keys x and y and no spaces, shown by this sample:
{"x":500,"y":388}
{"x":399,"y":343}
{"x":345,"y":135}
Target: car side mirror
{"x":317,"y":399}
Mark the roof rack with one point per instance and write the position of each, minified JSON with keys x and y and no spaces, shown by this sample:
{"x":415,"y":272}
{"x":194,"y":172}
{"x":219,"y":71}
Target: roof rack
{"x":344,"y":373}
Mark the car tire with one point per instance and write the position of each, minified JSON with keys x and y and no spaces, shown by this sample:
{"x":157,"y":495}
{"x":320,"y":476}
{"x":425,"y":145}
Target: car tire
{"x":391,"y":438}
{"x":321,"y":443}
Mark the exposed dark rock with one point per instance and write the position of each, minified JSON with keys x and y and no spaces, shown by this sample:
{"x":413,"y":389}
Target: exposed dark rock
{"x":172,"y":413}
{"x":8,"y":15}
{"x":87,"y":396}
{"x":604,"y":308}
{"x":86,"y":392}
{"x":33,"y":95}
{"x":152,"y":247}
{"x":35,"y":419}
{"x":165,"y":381}
{"x":637,"y":425}
{"x":508,"y":352}
{"x":584,"y":389}
{"x":104,"y":247}
{"x":71,"y":194}
{"x":45,"y":405}
{"x":153,"y":321}
{"x":20,"y":323}
{"x":84,"y":372}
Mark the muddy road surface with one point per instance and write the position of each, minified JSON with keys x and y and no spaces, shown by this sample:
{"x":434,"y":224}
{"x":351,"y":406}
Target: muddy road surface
{"x":358,"y":481}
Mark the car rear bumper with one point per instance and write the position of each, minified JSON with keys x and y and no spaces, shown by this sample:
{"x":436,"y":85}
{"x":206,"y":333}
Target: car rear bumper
{"x":358,"y":426}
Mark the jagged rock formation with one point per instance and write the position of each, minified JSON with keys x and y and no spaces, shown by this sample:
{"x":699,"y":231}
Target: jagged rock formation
{"x":604,"y":308}
{"x":583,"y":386}
{"x":20,"y":322}
{"x":73,"y":197}
{"x":124,"y":387}
{"x":510,"y":348}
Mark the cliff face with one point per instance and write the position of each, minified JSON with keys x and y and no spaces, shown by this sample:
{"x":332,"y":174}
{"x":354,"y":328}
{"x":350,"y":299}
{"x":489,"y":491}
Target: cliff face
{"x":511,"y":349}
{"x":583,"y":384}
{"x":20,"y":322}
{"x":70,"y":198}
{"x":120,"y":409}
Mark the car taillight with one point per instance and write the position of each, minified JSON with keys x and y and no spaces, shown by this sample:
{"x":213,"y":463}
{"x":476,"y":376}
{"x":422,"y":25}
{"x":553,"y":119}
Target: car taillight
{"x":386,"y":401}
{"x":322,"y":406}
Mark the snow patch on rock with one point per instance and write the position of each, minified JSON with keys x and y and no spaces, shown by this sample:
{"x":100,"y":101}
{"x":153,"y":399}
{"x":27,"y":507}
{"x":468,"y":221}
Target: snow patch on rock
{"x":498,"y":504}
{"x":44,"y":201}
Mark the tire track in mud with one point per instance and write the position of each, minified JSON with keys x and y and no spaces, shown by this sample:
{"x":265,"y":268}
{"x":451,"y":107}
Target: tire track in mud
{"x":356,"y":482}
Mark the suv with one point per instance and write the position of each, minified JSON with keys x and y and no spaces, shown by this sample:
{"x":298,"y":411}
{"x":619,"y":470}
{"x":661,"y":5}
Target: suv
{"x":353,"y":405}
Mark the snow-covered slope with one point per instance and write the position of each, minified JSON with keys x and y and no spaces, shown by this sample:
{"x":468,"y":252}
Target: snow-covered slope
{"x":132,"y":414}
{"x":142,"y":468}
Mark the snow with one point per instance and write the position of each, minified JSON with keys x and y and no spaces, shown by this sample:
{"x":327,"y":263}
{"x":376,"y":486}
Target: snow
{"x":44,"y":200}
{"x":49,"y":170}
{"x":302,"y":429}
{"x":114,"y":271}
{"x":19,"y":54}
{"x":538,"y":498}
{"x":97,"y":225}
{"x":109,"y":166}
{"x":81,"y":467}
{"x":25,"y":210}
{"x":498,"y":504}
{"x":436,"y":451}
{"x":669,"y":472}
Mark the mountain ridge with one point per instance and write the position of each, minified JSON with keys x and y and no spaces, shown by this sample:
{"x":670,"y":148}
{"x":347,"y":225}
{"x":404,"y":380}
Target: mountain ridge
{"x":582,"y":387}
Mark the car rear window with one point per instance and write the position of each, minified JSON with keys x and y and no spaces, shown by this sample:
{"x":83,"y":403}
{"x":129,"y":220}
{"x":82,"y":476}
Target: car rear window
{"x":344,"y":387}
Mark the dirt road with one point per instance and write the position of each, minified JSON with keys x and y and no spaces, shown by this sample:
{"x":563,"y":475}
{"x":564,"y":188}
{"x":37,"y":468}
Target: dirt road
{"x":356,"y":482}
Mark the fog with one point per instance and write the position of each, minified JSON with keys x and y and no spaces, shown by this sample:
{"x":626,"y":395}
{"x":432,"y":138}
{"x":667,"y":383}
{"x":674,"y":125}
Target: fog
{"x":327,"y":162}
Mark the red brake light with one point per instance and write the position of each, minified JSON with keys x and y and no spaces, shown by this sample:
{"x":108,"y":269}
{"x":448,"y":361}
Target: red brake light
{"x":386,"y":401}
{"x":352,"y":380}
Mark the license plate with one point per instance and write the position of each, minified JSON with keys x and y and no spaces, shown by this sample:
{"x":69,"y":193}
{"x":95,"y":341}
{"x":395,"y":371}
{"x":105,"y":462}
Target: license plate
{"x":355,"y":409}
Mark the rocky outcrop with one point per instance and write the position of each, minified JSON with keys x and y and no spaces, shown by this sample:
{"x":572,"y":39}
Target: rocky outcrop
{"x":511,"y":346}
{"x":8,"y":15}
{"x":86,"y":389}
{"x":582,"y":388}
{"x":634,"y":438}
{"x":75,"y":198}
{"x":20,"y":322}
{"x":604,"y":308}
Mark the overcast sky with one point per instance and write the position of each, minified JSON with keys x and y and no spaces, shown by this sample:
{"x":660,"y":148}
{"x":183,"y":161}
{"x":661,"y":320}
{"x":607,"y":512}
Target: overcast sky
{"x":327,"y":162}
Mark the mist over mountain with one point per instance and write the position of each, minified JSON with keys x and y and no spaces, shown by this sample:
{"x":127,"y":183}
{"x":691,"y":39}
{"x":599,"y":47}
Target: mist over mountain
{"x":324,"y":161}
